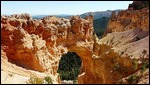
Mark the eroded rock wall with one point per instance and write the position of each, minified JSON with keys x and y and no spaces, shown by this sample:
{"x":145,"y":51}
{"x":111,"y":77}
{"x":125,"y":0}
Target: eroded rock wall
{"x":38,"y":45}
{"x":128,"y":19}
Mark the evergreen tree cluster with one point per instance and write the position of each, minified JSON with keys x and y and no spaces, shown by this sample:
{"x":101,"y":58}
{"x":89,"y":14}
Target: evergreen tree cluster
{"x":100,"y":25}
{"x":69,"y":66}
{"x":145,"y":4}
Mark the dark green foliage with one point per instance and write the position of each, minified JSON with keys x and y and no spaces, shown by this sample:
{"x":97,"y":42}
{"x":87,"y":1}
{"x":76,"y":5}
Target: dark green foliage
{"x":145,"y":65}
{"x":100,"y":25}
{"x":69,"y":66}
{"x":132,"y":79}
{"x":145,"y":61}
{"x":141,"y":6}
{"x":145,"y":4}
{"x":48,"y":80}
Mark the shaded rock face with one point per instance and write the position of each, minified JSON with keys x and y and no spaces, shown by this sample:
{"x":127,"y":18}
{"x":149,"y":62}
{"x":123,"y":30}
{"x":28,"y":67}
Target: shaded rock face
{"x":136,"y":5}
{"x":128,"y":19}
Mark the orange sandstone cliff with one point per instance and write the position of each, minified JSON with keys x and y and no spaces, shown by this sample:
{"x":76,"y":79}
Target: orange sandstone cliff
{"x":129,"y":19}
{"x":30,"y":46}
{"x":39,"y":44}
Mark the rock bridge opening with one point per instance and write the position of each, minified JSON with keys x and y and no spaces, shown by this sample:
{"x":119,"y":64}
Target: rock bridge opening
{"x":69,"y":66}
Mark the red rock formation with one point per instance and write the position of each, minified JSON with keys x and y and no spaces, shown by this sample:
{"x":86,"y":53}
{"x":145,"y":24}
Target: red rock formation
{"x":38,"y":45}
{"x":127,"y":19}
{"x":128,"y":33}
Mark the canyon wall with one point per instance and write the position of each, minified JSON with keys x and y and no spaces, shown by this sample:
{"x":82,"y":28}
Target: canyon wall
{"x":128,"y":19}
{"x":39,"y":44}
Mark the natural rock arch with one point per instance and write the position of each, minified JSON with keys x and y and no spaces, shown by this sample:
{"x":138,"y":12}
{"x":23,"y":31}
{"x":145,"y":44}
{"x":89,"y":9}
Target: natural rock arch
{"x":39,"y":44}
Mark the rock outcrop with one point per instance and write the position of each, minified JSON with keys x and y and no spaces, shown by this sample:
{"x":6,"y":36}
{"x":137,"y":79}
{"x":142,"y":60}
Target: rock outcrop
{"x":128,"y":34}
{"x":37,"y":45}
{"x":128,"y":19}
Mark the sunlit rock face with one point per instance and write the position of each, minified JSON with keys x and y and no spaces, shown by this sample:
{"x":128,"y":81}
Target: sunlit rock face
{"x":128,"y":34}
{"x":132,"y":48}
{"x":39,"y":44}
{"x":129,"y":19}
